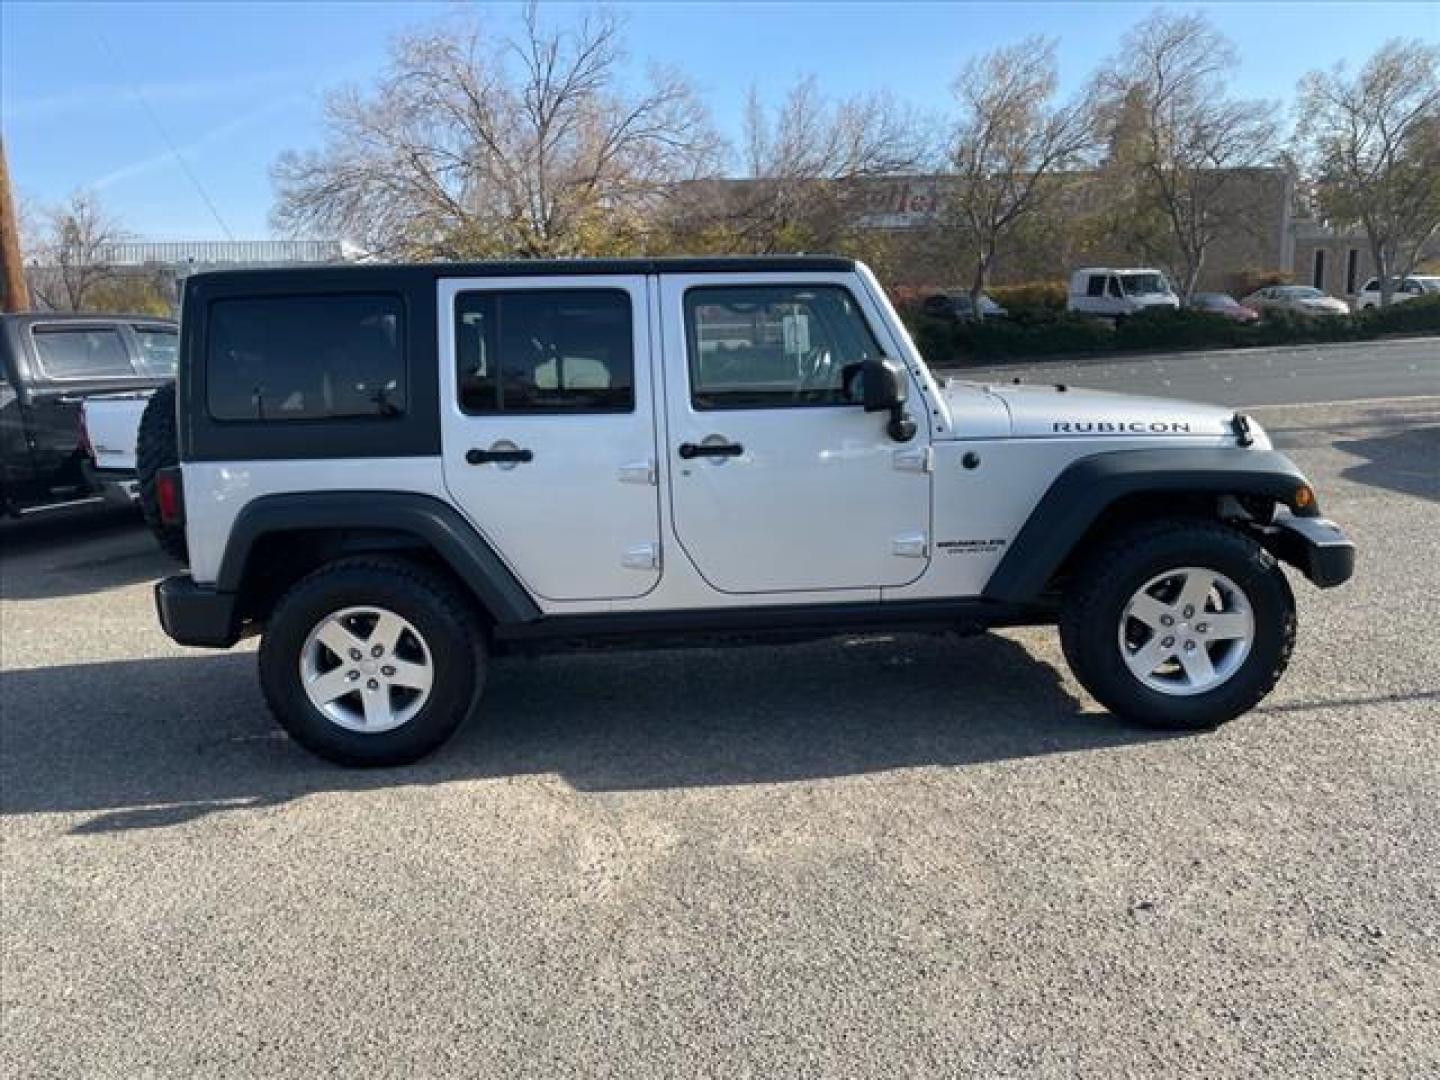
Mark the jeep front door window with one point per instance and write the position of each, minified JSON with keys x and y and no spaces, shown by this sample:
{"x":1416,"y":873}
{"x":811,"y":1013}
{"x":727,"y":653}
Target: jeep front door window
{"x":769,"y":346}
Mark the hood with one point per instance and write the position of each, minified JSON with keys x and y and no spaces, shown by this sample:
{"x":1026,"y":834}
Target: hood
{"x":1049,"y":412}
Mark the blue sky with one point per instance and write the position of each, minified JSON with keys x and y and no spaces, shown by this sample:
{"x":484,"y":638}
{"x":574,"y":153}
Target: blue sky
{"x":94,"y":95}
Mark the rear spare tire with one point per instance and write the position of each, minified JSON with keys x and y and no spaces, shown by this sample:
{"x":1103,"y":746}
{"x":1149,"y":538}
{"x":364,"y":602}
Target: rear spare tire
{"x":156,"y":449}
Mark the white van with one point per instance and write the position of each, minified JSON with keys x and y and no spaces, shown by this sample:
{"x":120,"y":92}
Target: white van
{"x":1411,"y":287}
{"x":1114,"y":293}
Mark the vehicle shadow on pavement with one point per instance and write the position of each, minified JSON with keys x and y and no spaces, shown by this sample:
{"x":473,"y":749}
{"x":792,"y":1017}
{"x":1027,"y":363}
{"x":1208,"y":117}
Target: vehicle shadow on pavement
{"x":1404,"y":461}
{"x":152,"y":743}
{"x":76,"y":554}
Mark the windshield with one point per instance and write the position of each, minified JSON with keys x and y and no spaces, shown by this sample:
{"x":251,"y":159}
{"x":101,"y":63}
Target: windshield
{"x":159,"y":350}
{"x":1301,"y":292}
{"x":1144,"y":284}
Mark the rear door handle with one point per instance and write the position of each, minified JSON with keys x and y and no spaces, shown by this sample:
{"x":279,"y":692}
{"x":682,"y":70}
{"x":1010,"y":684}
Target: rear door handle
{"x":476,"y":456}
{"x":690,"y":450}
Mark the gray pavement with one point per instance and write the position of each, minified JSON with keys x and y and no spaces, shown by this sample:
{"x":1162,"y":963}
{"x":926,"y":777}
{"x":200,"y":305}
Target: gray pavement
{"x":1250,"y":378}
{"x":882,"y":857}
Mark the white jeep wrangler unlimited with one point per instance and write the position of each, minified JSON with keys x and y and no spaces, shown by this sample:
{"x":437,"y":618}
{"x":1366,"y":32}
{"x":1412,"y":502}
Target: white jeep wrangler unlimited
{"x":396,"y":473}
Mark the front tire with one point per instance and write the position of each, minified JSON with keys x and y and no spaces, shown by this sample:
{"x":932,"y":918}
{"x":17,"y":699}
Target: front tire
{"x":372,"y":661}
{"x":1181,"y":625}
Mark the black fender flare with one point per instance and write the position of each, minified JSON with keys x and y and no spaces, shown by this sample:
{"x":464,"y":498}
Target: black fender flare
{"x":1087,"y":488}
{"x":434,"y":523}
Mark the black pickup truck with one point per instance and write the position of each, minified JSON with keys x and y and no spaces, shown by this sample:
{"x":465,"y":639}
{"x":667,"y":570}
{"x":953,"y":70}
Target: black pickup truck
{"x":51,"y":362}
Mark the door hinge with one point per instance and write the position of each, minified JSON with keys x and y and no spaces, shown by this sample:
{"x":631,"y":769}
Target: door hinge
{"x":921,"y":459}
{"x":641,"y":557}
{"x":638,"y":472}
{"x":911,"y":545}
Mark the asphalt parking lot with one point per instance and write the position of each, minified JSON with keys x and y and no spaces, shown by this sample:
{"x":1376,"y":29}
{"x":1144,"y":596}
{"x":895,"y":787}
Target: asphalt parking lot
{"x":884,"y":857}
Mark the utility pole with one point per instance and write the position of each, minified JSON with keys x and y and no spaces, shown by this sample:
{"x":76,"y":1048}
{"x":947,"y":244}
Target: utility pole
{"x":14,"y":294}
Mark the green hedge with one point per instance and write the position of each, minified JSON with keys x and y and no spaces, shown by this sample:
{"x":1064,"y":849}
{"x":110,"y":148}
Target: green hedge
{"x":1418,"y":316}
{"x":1033,"y":301}
{"x":946,"y":344}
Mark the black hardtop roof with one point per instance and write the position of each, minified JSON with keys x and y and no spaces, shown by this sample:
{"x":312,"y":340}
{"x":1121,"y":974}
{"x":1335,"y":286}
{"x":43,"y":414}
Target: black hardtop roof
{"x":26,"y":317}
{"x":356,"y":272}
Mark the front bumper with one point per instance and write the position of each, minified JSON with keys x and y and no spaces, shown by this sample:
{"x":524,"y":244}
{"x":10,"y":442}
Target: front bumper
{"x":194,"y":614}
{"x":1316,"y":546}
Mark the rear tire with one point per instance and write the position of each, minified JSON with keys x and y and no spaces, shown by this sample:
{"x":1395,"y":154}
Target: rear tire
{"x":1210,"y":665}
{"x":372,"y":661}
{"x":156,"y":448}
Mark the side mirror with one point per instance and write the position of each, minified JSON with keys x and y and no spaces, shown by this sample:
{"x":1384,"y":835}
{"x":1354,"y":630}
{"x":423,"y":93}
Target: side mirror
{"x":886,"y":389}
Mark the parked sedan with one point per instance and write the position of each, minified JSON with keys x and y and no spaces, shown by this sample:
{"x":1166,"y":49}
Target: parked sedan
{"x":1296,"y":299}
{"x":1224,"y":305}
{"x":957,"y":307}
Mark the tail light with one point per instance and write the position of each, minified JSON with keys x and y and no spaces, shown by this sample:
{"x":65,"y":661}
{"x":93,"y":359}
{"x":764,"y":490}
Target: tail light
{"x":170,"y":496}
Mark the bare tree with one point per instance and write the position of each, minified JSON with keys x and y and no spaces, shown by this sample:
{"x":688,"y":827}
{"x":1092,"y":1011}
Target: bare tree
{"x":803,"y":159}
{"x":1371,"y":143}
{"x":474,"y":144}
{"x":1191,"y":141}
{"x":1010,"y":141}
{"x":799,"y":173}
{"x":73,"y":257}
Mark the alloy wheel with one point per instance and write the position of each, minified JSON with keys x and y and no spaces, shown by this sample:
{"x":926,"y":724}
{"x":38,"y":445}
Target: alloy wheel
{"x":367,"y":669}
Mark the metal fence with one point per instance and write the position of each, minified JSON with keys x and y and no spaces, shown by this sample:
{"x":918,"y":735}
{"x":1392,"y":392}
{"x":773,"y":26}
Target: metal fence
{"x":182,"y":253}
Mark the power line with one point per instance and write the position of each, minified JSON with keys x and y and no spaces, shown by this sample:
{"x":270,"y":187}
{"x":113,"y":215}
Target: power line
{"x":165,"y":135}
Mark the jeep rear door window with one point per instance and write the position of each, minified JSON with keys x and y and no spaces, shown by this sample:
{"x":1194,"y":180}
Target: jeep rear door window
{"x":545,"y":351}
{"x":159,"y":350}
{"x":79,"y":353}
{"x":305,"y":358}
{"x":773,"y":345}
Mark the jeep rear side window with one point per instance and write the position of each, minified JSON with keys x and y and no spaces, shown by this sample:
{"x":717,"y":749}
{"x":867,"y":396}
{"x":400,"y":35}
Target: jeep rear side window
{"x":765,"y":346}
{"x":545,"y":351}
{"x":305,"y":358}
{"x":97,"y":353}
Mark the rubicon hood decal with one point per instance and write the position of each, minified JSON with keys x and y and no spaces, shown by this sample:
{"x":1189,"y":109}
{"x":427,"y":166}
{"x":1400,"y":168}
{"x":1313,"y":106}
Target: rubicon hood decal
{"x":1051,"y":412}
{"x":1120,"y":427}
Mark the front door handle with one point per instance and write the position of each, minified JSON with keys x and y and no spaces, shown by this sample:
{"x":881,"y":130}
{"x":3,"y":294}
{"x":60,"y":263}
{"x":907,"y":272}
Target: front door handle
{"x":476,"y":456}
{"x":690,"y":450}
